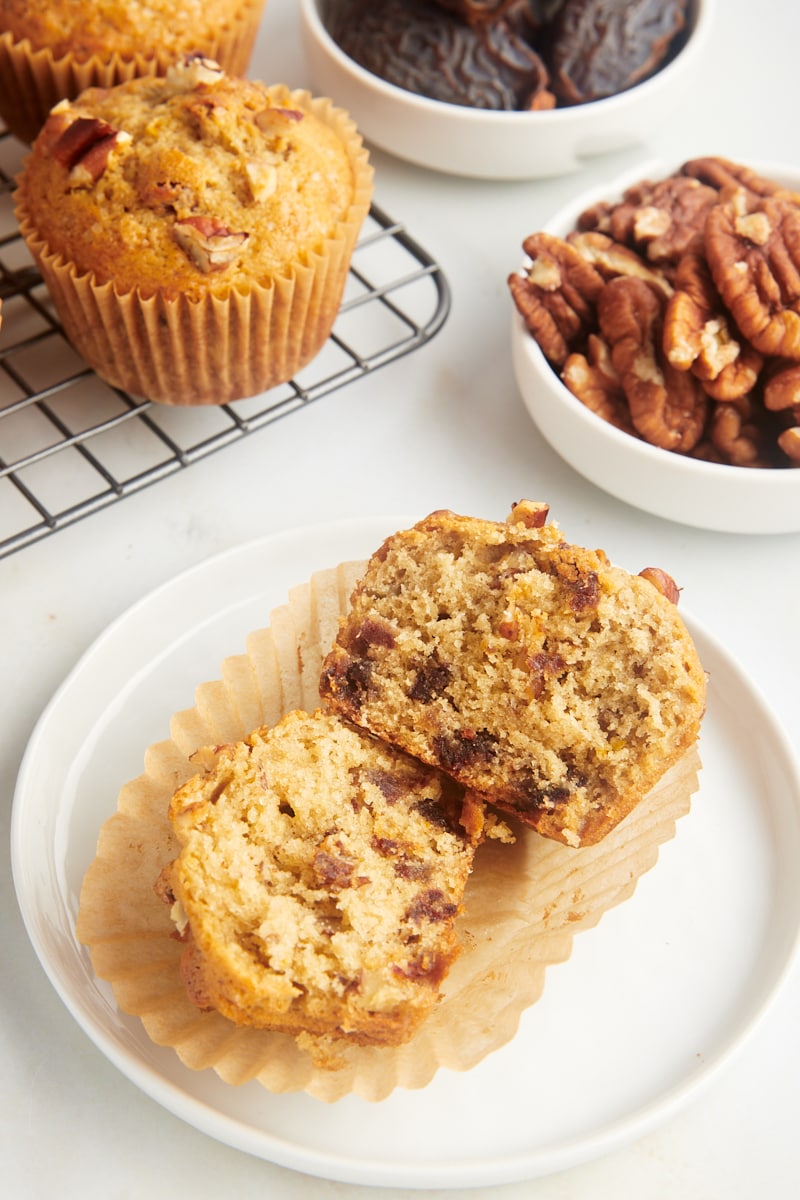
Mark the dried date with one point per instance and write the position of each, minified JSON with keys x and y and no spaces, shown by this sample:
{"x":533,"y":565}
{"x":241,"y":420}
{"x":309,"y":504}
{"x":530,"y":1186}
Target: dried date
{"x":602,"y":47}
{"x":431,"y":52}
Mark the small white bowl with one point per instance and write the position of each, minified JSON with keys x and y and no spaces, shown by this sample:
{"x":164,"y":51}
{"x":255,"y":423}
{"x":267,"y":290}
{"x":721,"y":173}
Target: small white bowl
{"x":486,"y":144}
{"x":706,"y":495}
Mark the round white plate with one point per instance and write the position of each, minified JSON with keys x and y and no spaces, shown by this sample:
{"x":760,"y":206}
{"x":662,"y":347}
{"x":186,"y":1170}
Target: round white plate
{"x":651,"y":1003}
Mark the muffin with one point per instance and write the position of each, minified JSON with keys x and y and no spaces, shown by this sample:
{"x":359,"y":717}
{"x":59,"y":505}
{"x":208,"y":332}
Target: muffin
{"x":554,"y":684}
{"x":524,"y":903}
{"x":195,"y":230}
{"x":52,"y":50}
{"x":319,"y":879}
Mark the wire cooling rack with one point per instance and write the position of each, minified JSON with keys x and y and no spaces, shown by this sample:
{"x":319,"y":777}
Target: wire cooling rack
{"x":71,"y":445}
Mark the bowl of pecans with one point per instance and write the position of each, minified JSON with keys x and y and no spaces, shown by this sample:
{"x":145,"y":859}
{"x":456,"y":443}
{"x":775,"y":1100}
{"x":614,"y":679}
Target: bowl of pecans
{"x":505,"y":89}
{"x":656,"y":341}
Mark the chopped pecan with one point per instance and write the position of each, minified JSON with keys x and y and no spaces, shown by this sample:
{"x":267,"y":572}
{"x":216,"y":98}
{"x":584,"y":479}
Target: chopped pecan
{"x":532,"y":514}
{"x":663,"y":582}
{"x":193,"y":70}
{"x":556,"y":296}
{"x":594,"y":380}
{"x":83,"y":145}
{"x":668,"y":407}
{"x":210,"y":245}
{"x":753,"y":250}
{"x":613,"y":259}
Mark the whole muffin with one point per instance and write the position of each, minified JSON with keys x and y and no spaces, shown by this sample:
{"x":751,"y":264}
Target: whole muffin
{"x":195,"y":231}
{"x":52,"y":50}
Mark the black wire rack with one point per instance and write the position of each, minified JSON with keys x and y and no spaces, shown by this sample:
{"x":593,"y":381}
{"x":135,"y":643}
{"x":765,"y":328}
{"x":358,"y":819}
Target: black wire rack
{"x":71,"y":444}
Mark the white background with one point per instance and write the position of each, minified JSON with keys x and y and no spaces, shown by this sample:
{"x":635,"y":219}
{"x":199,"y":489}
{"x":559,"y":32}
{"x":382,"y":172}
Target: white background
{"x":441,"y":428}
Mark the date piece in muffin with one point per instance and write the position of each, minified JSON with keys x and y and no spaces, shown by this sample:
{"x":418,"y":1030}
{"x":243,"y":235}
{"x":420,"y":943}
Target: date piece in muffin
{"x":558,"y":686}
{"x":318,"y":883}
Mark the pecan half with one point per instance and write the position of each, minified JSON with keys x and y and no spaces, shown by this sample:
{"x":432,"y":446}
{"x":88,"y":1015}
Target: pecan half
{"x":782,"y":388}
{"x":726,"y":176}
{"x":659,"y":220}
{"x":738,"y":433}
{"x":753,"y":250}
{"x":556,"y":295}
{"x":210,"y":245}
{"x":698,"y":335}
{"x":668,"y":407}
{"x":613,"y":259}
{"x":594,"y":380}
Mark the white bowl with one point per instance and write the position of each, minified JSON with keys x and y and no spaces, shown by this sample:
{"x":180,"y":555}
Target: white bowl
{"x":497,"y":145}
{"x":706,"y":495}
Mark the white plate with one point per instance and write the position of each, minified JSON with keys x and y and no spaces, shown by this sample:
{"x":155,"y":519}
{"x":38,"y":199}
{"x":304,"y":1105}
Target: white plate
{"x":649,"y":1006}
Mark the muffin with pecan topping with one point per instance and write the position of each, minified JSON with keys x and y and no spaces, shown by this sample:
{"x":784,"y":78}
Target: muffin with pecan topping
{"x":52,"y":50}
{"x":195,"y":230}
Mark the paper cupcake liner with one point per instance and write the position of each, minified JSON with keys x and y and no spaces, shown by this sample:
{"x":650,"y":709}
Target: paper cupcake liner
{"x":228,"y":345}
{"x":524,"y":902}
{"x":32,"y":81}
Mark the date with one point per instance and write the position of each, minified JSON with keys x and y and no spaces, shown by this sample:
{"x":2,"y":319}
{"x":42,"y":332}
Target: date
{"x":431,"y":52}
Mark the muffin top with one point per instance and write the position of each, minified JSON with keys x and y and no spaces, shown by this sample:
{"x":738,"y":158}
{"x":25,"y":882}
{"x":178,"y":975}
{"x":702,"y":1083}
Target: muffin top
{"x":192,"y":183}
{"x":124,"y":27}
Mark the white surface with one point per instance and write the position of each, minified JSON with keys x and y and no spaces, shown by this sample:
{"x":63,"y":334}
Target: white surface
{"x":499,"y":145}
{"x":443,"y":427}
{"x":704,"y":987}
{"x":674,"y":486}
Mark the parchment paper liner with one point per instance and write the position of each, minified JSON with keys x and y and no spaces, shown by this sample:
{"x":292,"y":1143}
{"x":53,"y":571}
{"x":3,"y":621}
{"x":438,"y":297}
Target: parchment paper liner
{"x":229,"y":344}
{"x":524,"y":903}
{"x":33,"y":80}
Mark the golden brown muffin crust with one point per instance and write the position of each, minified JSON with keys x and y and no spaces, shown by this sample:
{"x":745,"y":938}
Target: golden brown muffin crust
{"x":190,"y":184}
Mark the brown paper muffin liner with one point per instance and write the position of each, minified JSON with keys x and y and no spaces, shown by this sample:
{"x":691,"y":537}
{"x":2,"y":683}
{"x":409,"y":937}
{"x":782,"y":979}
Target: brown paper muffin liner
{"x":524,"y":902}
{"x":33,"y":80}
{"x":225,"y":346}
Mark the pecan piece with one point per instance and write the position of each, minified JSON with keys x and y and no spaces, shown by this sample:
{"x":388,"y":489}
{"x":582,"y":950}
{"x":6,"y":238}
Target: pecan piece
{"x":532,"y":514}
{"x":663,"y":582}
{"x":668,"y":407}
{"x":753,"y":250}
{"x":594,"y":380}
{"x":556,"y":295}
{"x":210,"y":245}
{"x":83,"y":145}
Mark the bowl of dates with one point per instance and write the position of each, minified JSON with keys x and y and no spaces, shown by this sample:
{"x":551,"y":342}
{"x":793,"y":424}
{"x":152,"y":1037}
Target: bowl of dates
{"x":505,"y":89}
{"x":656,"y":341}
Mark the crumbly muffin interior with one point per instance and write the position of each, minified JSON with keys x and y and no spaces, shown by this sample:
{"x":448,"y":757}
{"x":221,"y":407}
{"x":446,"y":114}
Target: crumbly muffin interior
{"x":320,"y":876}
{"x":534,"y":671}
